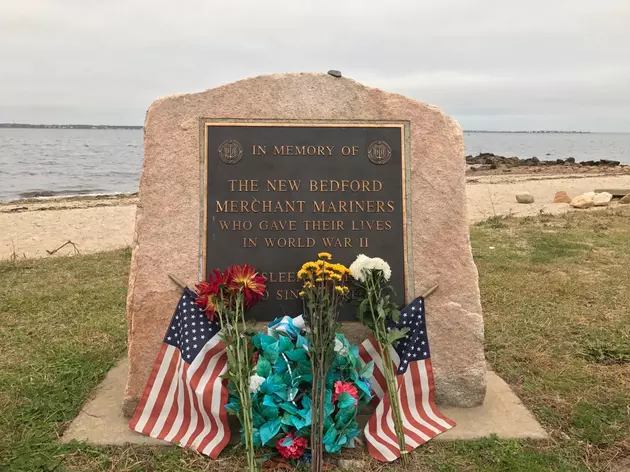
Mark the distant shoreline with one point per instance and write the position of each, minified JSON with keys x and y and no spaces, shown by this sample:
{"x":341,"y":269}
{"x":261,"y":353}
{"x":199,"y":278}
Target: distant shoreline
{"x":42,"y":126}
{"x":25,"y":125}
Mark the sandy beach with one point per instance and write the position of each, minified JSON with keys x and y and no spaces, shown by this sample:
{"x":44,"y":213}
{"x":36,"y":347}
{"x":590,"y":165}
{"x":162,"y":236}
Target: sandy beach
{"x":35,"y":228}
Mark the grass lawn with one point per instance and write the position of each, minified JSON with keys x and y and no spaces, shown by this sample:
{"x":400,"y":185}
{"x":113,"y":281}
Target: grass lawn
{"x":556,"y":297}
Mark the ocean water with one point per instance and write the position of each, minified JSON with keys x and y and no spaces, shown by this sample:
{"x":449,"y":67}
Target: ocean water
{"x":51,"y":162}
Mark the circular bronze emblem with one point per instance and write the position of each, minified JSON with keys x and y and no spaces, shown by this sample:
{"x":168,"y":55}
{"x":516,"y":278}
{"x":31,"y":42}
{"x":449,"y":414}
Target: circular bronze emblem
{"x":230,"y":151}
{"x":379,"y":152}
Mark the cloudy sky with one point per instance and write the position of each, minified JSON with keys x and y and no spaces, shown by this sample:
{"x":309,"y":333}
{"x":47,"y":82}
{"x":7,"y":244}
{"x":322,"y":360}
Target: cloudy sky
{"x":492,"y":64}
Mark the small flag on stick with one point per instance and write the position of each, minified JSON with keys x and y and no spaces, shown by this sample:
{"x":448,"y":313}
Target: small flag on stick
{"x":185,"y":397}
{"x":422,"y":420}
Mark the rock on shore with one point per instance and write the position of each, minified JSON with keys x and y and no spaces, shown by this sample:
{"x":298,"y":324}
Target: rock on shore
{"x":490,"y":159}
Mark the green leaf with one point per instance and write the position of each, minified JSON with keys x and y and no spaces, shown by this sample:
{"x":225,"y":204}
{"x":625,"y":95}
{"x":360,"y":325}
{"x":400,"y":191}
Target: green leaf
{"x":270,"y":412}
{"x":289,"y":408}
{"x":345,"y":400}
{"x":263,"y":367}
{"x":233,"y":408}
{"x":395,"y":335}
{"x":367,"y":370}
{"x":297,"y":355}
{"x":269,"y":430}
{"x":364,"y":387}
{"x":363,"y":307}
{"x":268,"y":401}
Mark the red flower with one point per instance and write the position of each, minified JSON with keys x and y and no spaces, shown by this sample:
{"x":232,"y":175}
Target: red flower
{"x":294,"y":449}
{"x":245,"y":279}
{"x":208,"y":291}
{"x":341,"y":387}
{"x":255,"y":358}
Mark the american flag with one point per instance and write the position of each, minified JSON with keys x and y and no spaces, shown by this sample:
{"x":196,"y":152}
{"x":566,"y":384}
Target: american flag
{"x":184,"y":400}
{"x":422,"y":420}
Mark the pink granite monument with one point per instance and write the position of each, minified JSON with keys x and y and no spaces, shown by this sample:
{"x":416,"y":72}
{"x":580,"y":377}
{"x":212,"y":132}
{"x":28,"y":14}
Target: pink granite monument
{"x":382,"y":173}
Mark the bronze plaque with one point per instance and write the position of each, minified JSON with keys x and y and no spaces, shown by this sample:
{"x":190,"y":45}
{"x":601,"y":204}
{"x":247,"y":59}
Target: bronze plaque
{"x":276,"y":194}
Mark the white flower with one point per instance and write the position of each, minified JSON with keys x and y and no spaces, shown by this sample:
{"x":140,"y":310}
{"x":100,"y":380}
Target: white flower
{"x":255,"y":382}
{"x":340,"y":348}
{"x":379,"y":264}
{"x":363,"y":264}
{"x":358,"y":267}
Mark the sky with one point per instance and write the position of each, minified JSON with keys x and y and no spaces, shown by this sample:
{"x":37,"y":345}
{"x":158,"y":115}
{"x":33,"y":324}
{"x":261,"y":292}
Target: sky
{"x":491,"y":64}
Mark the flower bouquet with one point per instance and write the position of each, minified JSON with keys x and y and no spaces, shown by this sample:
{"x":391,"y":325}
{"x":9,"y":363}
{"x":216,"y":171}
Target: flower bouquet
{"x":281,"y":386}
{"x":227,"y":295}
{"x":377,"y":311}
{"x":323,"y":292}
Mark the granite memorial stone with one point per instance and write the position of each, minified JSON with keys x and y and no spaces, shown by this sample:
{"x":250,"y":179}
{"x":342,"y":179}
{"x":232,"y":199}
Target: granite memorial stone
{"x":271,"y":170}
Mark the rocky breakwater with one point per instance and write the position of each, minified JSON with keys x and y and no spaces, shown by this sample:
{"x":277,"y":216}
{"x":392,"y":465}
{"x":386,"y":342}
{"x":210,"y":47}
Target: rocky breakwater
{"x":490,"y":161}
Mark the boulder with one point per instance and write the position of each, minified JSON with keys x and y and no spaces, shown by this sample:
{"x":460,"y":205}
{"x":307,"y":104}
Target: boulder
{"x":602,"y":199}
{"x":609,"y":163}
{"x":532,"y":161}
{"x":562,"y":197}
{"x":525,"y":198}
{"x":582,"y":201}
{"x":625,"y":200}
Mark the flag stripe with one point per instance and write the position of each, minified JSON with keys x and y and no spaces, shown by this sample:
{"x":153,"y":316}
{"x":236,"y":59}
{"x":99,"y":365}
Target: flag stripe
{"x":167,"y":401}
{"x":160,"y":388}
{"x":141,"y":413}
{"x":198,"y":384}
{"x":185,"y":397}
{"x":210,"y":425}
{"x":410,"y":407}
{"x":195,"y":377}
{"x":445,"y":422}
{"x":421,"y":419}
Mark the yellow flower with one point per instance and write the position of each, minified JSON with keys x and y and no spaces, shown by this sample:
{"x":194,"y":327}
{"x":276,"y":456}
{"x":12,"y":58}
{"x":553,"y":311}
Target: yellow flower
{"x":301,"y":293}
{"x":309,"y":265}
{"x":336,"y":277}
{"x":324,"y":255}
{"x":308,"y":285}
{"x":319,"y":279}
{"x":341,"y":290}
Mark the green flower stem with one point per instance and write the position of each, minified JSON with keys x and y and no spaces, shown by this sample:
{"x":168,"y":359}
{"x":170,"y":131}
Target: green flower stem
{"x":237,"y":344}
{"x":380,"y":331}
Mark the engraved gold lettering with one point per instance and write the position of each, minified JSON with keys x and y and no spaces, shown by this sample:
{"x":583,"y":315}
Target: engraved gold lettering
{"x":283,"y":185}
{"x":336,"y":242}
{"x":260,"y":206}
{"x":243,"y":185}
{"x":250,"y":242}
{"x":290,"y":242}
{"x":259,"y":150}
{"x":236,"y":225}
{"x":323,"y":225}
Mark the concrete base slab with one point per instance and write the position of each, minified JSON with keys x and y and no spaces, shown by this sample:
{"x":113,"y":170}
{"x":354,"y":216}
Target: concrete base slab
{"x":101,"y":420}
